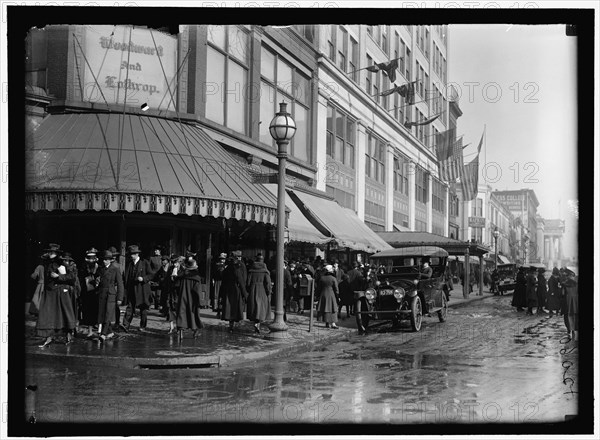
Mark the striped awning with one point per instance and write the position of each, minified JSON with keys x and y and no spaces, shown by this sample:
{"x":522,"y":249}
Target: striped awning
{"x":110,"y":161}
{"x":342,"y":223}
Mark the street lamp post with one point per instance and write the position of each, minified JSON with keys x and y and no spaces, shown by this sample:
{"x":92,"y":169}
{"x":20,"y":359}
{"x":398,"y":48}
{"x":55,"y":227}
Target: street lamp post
{"x":282,"y":129}
{"x":496,"y":235}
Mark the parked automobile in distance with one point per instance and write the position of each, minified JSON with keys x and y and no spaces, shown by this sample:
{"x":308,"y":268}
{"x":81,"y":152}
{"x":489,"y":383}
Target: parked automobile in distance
{"x":402,"y":292}
{"x":507,"y":277}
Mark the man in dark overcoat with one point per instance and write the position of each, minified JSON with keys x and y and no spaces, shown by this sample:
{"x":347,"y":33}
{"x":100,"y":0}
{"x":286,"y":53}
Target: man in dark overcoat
{"x":110,"y":293}
{"x":137,"y":285}
{"x":233,"y":290}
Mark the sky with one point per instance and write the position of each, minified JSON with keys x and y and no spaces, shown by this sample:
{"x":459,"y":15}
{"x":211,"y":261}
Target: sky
{"x":518,"y":82}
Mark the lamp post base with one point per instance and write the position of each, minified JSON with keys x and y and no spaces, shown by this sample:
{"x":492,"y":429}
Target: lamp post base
{"x":278,"y":330}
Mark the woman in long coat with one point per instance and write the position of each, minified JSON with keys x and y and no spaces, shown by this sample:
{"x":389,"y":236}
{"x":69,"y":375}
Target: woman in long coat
{"x":571,"y":314}
{"x":188,"y":312}
{"x":519,"y":299}
{"x":531,"y":286}
{"x":38,"y":277}
{"x":328,"y":297}
{"x":542,"y":291}
{"x":233,"y":292}
{"x":259,"y":290}
{"x":554,"y":293}
{"x":56,"y":312}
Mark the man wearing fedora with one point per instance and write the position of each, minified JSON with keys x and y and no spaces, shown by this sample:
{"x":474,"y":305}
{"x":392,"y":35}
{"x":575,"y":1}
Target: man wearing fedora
{"x":110,"y":291}
{"x":88,"y":300}
{"x":137,"y":288}
{"x":217,"y":278}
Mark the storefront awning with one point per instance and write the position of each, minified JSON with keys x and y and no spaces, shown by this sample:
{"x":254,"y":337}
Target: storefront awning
{"x":299,"y":228}
{"x":399,"y":239}
{"x":109,"y":161}
{"x":342,"y":223}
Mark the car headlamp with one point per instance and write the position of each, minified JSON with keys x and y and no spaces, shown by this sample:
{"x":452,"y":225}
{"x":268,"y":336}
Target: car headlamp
{"x":415,"y":282}
{"x":378,"y":283}
{"x":399,"y":293}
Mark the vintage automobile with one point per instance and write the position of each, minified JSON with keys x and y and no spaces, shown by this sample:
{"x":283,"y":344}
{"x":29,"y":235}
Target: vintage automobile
{"x":403,"y":292}
{"x":507,"y":275}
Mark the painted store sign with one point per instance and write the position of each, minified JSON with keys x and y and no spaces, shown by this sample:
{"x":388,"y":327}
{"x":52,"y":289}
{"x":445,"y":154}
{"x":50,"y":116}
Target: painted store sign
{"x":130,"y":65}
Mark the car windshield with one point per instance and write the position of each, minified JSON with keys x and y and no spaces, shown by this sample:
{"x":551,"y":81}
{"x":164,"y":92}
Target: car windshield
{"x":411,"y":265}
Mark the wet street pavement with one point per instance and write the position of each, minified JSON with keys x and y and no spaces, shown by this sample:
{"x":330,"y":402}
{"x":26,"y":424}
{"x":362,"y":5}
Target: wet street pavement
{"x":488,"y":363}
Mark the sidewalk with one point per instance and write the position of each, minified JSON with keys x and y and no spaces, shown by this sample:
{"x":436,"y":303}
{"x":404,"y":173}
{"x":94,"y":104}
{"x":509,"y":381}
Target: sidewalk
{"x":215,"y":346}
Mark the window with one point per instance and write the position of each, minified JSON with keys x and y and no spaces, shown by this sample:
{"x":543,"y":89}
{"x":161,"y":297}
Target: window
{"x":375,"y":159}
{"x":384,"y":38}
{"x":402,"y":61}
{"x":344,"y":198}
{"x":331,"y":42}
{"x":370,"y":30}
{"x":341,"y":136}
{"x":477,"y":234}
{"x":427,"y":42}
{"x":307,"y":31}
{"x":421,"y":185}
{"x":342,"y":47}
{"x":227,"y":72}
{"x":369,"y":78}
{"x":454,"y":206}
{"x":401,"y":175}
{"x":420,"y":225}
{"x":35,"y":61}
{"x":477,"y":208}
{"x":408,"y":64}
{"x":353,"y":60}
{"x":438,"y":197}
{"x":281,"y":81}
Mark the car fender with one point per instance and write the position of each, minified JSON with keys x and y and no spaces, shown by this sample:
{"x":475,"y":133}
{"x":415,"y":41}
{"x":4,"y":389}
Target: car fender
{"x":412,"y":293}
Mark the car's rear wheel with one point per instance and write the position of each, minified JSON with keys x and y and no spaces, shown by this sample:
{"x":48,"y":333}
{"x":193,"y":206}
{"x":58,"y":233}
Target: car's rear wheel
{"x":362,"y":319}
{"x":416,"y":315}
{"x":443,"y":313}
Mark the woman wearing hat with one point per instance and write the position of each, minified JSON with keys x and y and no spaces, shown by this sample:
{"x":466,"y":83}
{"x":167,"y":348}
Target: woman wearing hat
{"x":89,"y":279}
{"x":531,"y":287}
{"x":519,"y":299}
{"x":70,"y":266}
{"x":110,"y":291}
{"x":38,"y":277}
{"x":571,"y":303}
{"x":233,"y":292}
{"x":542,"y":290}
{"x":259,"y":291}
{"x":328,"y":297}
{"x":56,"y":312}
{"x":188,"y":307}
{"x":554,"y":293}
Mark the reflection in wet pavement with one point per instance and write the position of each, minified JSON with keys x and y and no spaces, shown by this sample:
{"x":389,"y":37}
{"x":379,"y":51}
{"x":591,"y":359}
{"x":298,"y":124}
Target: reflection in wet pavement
{"x":460,"y":372}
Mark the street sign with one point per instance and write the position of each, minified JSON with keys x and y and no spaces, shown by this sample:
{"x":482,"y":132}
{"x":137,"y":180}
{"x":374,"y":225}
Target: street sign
{"x":265,"y":178}
{"x":477,"y":222}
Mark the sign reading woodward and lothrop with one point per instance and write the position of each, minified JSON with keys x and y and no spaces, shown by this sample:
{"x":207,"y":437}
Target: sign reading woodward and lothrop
{"x":130,"y":65}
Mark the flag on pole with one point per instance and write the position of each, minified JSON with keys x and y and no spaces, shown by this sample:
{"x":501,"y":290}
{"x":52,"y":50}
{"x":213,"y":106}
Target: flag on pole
{"x":409,"y":124}
{"x":451,"y":167}
{"x":480,"y":142}
{"x":470,"y":179}
{"x":443,"y":142}
{"x":388,"y":68}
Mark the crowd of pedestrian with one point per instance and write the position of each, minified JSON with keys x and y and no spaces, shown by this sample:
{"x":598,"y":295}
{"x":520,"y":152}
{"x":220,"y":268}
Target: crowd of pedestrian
{"x":554,"y":296}
{"x":88,"y":299}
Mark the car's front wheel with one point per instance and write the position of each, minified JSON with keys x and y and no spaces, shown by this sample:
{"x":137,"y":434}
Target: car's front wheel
{"x":362,"y":319}
{"x":416,"y":314}
{"x":443,"y":313}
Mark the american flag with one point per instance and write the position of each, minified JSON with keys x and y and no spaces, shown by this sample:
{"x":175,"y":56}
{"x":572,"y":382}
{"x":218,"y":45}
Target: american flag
{"x":470,"y":179}
{"x":443,"y":142}
{"x":451,"y":167}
